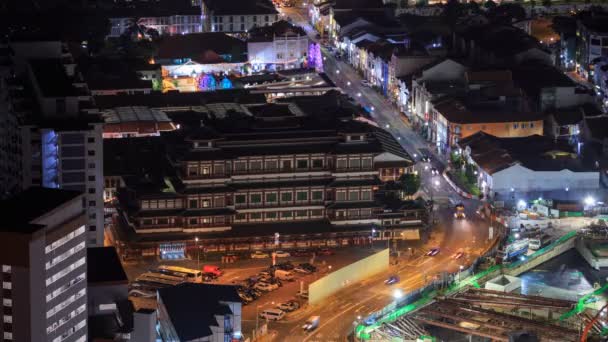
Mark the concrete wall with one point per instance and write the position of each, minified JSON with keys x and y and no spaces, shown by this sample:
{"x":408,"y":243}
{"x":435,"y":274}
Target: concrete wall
{"x":593,"y":261}
{"x":526,"y":266}
{"x":523,"y":179}
{"x":348,"y":275}
{"x":514,"y":283}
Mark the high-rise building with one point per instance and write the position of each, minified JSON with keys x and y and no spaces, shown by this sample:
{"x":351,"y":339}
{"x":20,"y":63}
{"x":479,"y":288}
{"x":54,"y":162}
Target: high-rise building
{"x":56,"y":139}
{"x":43,"y":260}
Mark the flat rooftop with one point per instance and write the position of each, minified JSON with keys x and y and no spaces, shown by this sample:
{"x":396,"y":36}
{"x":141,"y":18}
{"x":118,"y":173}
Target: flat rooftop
{"x":103,"y":266}
{"x":18,"y":211}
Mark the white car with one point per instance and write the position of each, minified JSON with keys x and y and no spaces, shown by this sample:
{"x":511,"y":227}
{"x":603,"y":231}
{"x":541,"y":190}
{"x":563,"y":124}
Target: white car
{"x":259,"y":255}
{"x":282,"y":254}
{"x":366,"y":83}
{"x":266,"y":287}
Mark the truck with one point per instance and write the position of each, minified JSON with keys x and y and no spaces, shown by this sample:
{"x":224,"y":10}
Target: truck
{"x":212,"y":269}
{"x":284,"y":275}
{"x":539,"y":242}
{"x":516,"y":249}
{"x":312,"y":323}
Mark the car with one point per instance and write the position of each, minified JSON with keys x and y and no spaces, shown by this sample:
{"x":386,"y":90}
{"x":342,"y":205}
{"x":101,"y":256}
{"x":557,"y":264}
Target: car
{"x":272,"y":314}
{"x":424,"y":157}
{"x":245,"y":297}
{"x":366,"y":83}
{"x":285,"y":266}
{"x":433,"y":251}
{"x":458,"y":255}
{"x":265,"y":287}
{"x":325,"y":251}
{"x":309,"y":267}
{"x":434,"y":171}
{"x":311,"y":324}
{"x":282,"y":254}
{"x":391,"y":280}
{"x":289,"y":306}
{"x":303,"y":270}
{"x":301,"y":253}
{"x":259,"y":255}
{"x":459,"y":211}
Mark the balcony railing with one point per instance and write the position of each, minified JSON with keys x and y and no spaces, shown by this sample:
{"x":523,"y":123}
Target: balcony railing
{"x":185,"y":175}
{"x":278,"y":204}
{"x":351,"y":218}
{"x":354,"y":169}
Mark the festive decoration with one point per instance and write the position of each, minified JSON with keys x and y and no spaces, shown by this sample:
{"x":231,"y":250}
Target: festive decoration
{"x":226,"y":83}
{"x":315,"y":59}
{"x":207,"y":82}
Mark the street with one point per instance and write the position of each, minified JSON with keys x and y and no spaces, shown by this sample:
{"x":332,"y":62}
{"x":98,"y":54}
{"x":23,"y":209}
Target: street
{"x":360,"y":299}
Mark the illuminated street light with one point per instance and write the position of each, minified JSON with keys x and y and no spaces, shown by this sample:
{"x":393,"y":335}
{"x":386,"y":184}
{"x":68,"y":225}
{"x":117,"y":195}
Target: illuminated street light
{"x":589,"y":201}
{"x":388,"y":126}
{"x":415,"y":155}
{"x":359,"y":94}
{"x":517,"y":235}
{"x":521,"y":203}
{"x":436,"y":183}
{"x":397,"y":294}
{"x":348,"y":83}
{"x":372,"y":108}
{"x":398,"y":138}
{"x":337,"y":71}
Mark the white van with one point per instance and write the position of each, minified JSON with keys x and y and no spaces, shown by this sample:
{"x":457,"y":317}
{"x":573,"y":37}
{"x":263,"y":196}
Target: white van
{"x":272,"y":314}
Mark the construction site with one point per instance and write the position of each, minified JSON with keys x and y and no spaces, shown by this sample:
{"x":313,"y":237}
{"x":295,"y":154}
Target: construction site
{"x":492,"y":315}
{"x":492,"y":304}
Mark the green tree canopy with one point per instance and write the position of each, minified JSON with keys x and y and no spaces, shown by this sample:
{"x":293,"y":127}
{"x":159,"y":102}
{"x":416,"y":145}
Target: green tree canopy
{"x":410,"y":183}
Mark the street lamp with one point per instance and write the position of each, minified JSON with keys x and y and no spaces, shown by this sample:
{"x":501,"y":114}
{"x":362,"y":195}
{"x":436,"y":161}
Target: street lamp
{"x":257,"y":316}
{"x":459,"y":270}
{"x":397,"y":294}
{"x":198,"y":254}
{"x":436,"y":182}
{"x":348,"y":83}
{"x":590,"y":201}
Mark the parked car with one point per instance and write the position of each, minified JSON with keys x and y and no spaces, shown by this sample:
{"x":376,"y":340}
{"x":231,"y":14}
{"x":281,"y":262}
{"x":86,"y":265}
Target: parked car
{"x":325,"y":251}
{"x":303,"y":270}
{"x":259,"y":255}
{"x":433,"y":251}
{"x":266,"y":287}
{"x":366,"y":83}
{"x":394,"y":279}
{"x":301,"y":253}
{"x":285,"y":266}
{"x":309,"y":267}
{"x":272,"y":314}
{"x":289,"y":306}
{"x":282,"y":254}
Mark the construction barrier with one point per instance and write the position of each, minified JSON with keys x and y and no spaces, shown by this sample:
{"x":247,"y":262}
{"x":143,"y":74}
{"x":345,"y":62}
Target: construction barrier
{"x":348,"y":275}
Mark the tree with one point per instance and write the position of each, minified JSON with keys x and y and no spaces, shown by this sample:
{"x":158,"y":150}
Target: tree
{"x":410,"y":183}
{"x":508,"y":12}
{"x":471,"y":174}
{"x":452,"y":11}
{"x":489,"y":5}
